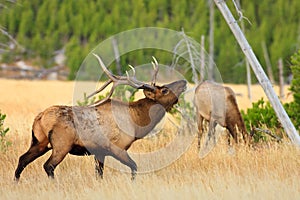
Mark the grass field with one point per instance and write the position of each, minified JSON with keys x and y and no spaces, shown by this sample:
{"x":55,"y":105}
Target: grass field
{"x":267,"y":171}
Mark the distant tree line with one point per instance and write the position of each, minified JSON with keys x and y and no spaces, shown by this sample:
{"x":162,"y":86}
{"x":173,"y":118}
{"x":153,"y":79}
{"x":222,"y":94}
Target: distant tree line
{"x":43,"y":27}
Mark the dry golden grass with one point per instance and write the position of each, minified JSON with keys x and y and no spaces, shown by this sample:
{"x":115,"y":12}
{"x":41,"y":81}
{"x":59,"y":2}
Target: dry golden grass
{"x":268,"y":171}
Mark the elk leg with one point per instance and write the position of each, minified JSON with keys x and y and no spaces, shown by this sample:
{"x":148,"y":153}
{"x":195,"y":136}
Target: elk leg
{"x":228,"y":139}
{"x":200,"y":129}
{"x":60,"y":148}
{"x":36,"y":150}
{"x":124,"y":158}
{"x":56,"y":157}
{"x":233,"y":132}
{"x":99,"y":166}
{"x":212,"y":127}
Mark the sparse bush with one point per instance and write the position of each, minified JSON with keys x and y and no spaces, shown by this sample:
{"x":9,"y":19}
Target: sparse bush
{"x":4,"y":144}
{"x":88,"y":101}
{"x":125,"y":93}
{"x":119,"y":93}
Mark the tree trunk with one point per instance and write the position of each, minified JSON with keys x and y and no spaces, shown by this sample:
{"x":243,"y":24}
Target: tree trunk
{"x":249,"y":80}
{"x":247,"y":63}
{"x":117,"y":55}
{"x":211,"y":40}
{"x":268,"y":62}
{"x":281,"y":80}
{"x":202,"y":54}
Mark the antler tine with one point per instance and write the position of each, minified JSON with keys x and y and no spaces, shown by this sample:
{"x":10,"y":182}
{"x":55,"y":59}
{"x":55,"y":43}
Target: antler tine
{"x":105,"y":99}
{"x":100,"y":89}
{"x":155,"y":61}
{"x":134,"y":82}
{"x":106,"y":71}
{"x":132,"y":68}
{"x":155,"y":67}
{"x":119,"y":80}
{"x":112,"y":79}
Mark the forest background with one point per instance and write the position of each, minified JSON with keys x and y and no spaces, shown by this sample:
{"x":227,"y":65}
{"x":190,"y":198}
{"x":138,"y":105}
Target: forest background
{"x":77,"y":26}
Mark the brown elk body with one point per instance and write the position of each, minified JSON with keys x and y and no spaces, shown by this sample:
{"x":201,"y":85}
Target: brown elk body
{"x":217,"y":104}
{"x":106,"y":129}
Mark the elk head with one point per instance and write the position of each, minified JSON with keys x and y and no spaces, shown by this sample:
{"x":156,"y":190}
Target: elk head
{"x":166,"y":95}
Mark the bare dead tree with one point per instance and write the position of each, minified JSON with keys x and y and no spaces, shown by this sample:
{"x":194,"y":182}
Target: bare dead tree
{"x":281,"y":79}
{"x":211,"y":39}
{"x":202,"y":56}
{"x":238,"y":4}
{"x":33,"y":74}
{"x":268,"y":62}
{"x":117,"y":55}
{"x":188,"y":49}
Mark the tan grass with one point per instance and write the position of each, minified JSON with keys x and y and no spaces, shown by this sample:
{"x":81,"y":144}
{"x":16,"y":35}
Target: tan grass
{"x":268,"y":171}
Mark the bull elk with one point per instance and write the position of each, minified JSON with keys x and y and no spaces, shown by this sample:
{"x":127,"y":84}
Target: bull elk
{"x":217,"y":104}
{"x":106,"y":128}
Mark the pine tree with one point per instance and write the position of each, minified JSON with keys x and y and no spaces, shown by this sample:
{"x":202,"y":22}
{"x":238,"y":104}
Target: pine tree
{"x":42,"y":27}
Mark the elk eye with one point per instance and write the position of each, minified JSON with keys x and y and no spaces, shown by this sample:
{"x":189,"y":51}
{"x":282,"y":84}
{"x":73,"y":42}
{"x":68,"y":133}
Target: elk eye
{"x":165,"y":91}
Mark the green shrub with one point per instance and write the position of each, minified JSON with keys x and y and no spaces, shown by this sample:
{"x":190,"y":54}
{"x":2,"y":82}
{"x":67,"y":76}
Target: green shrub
{"x":4,"y":144}
{"x":293,"y":108}
{"x":293,"y":111}
{"x":262,"y":116}
{"x":295,"y":85}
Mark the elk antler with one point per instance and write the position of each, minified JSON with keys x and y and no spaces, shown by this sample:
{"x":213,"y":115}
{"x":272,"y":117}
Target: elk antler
{"x":155,"y":67}
{"x":119,"y":80}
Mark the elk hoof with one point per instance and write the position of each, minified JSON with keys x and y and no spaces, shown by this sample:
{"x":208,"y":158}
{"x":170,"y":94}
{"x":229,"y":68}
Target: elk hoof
{"x":133,"y":175}
{"x":16,"y":179}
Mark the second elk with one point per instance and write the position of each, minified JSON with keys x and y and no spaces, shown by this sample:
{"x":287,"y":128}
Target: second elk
{"x":107,"y":128}
{"x":217,"y":104}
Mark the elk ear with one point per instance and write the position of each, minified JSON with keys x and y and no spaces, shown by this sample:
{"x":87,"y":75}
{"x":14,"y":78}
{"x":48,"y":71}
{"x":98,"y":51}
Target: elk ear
{"x":149,"y":94}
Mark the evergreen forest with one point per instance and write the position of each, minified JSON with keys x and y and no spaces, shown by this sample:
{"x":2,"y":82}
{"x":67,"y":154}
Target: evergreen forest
{"x":77,"y":26}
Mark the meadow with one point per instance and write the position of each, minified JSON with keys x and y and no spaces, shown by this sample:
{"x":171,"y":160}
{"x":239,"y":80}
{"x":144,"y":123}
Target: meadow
{"x":264,"y":171}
